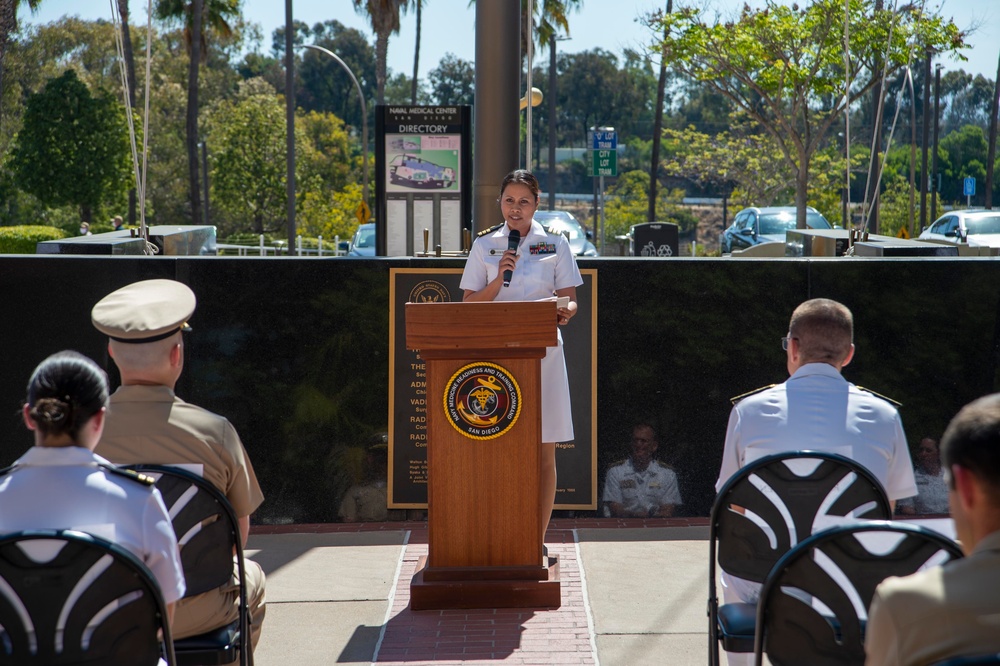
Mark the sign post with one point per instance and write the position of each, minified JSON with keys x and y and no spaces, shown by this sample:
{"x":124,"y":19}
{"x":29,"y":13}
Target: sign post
{"x":969,"y":190}
{"x":604,"y":162}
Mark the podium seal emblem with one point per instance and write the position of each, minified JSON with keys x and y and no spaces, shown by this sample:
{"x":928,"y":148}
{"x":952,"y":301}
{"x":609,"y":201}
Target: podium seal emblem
{"x":482,"y":400}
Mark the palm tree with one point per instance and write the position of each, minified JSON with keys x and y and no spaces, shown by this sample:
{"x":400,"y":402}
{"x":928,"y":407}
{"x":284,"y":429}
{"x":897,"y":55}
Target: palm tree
{"x":384,"y":17}
{"x":195,"y":15}
{"x":8,"y":26}
{"x":551,"y":18}
{"x":419,"y":6}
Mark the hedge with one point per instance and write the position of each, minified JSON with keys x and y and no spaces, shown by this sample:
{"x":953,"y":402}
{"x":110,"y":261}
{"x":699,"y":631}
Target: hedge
{"x":23,"y":239}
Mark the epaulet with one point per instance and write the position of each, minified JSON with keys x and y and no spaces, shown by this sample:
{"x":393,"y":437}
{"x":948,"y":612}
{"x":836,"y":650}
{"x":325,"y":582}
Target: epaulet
{"x":663,"y":464}
{"x":896,"y":403}
{"x":615,"y":463}
{"x":735,"y":399}
{"x":138,"y":477}
{"x":490,"y":230}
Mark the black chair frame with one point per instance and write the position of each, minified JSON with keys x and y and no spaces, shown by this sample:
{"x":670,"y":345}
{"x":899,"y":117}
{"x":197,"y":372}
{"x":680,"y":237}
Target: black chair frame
{"x":208,"y":533}
{"x":809,"y":571}
{"x":91,"y":602}
{"x":838,"y":486}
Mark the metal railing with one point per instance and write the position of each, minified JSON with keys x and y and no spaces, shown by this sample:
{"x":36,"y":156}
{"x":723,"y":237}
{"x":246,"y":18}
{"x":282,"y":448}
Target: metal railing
{"x":277,"y":248}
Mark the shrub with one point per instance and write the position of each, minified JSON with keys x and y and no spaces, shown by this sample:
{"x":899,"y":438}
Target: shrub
{"x":23,"y":239}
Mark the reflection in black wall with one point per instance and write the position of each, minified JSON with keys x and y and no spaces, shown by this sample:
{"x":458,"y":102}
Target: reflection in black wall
{"x":295,"y":351}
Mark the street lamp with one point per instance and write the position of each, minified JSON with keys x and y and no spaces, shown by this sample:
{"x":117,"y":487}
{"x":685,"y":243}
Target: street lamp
{"x":364,"y":111}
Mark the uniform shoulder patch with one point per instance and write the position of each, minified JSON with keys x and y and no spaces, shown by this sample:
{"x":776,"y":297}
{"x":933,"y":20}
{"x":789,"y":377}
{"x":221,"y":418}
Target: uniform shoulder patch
{"x":138,"y":477}
{"x":490,"y":230}
{"x":736,"y":398}
{"x":892,"y":402}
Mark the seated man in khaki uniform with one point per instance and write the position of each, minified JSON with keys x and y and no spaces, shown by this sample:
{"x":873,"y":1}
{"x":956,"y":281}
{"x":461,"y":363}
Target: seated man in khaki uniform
{"x":147,"y":423}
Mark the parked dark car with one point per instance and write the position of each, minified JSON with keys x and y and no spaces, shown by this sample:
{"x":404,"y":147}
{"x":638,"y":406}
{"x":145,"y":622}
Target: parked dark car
{"x":753,"y":226}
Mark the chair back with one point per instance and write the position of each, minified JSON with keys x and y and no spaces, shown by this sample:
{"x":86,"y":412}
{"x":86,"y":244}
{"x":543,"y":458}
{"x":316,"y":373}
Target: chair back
{"x":72,"y":598}
{"x":208,"y":534}
{"x":813,"y":607}
{"x":782,"y":499}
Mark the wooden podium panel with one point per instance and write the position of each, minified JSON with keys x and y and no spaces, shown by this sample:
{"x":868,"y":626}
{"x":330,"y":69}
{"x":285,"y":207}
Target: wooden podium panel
{"x":483,"y":523}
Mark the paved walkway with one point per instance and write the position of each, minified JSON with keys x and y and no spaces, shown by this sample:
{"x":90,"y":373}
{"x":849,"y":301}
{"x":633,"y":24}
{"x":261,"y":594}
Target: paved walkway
{"x":633,"y":592}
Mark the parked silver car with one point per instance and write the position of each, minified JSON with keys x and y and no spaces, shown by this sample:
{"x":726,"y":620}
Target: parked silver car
{"x":975,"y":227}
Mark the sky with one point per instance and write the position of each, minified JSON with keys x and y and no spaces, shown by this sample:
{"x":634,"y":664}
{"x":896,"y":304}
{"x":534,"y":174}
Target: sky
{"x":448,"y":25}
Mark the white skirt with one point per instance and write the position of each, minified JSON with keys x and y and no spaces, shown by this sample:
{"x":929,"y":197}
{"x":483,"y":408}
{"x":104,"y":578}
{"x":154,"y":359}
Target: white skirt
{"x":557,"y":415}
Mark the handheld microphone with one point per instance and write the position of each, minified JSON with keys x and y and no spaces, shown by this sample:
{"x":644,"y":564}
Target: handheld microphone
{"x":513,"y":240}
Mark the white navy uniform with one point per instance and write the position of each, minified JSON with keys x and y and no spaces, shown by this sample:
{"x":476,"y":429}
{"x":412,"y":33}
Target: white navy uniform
{"x":67,"y":488}
{"x":829,"y":414}
{"x":545,"y":264}
{"x":644,"y":491}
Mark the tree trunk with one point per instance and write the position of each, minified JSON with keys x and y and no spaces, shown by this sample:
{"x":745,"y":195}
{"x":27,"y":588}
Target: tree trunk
{"x":8,"y":26}
{"x":381,"y":52}
{"x":416,"y":56}
{"x":194,"y":182}
{"x":802,"y":189}
{"x":991,"y":154}
{"x":661,"y":88}
{"x":130,"y":77}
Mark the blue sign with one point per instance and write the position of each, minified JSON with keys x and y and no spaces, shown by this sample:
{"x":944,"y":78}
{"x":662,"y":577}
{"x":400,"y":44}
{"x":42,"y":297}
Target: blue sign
{"x":605,"y":140}
{"x":969,"y":186}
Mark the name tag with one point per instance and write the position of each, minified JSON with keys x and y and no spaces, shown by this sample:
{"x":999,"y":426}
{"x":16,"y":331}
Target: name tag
{"x":542,"y":248}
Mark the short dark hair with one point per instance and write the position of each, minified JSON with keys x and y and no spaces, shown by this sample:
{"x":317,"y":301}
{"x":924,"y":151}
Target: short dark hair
{"x":824,"y":329}
{"x":521,"y":177}
{"x":972,"y":440}
{"x":64,"y":392}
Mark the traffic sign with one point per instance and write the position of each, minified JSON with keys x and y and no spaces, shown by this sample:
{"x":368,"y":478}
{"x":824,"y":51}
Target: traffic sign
{"x":604,"y":140}
{"x":363,"y":213}
{"x":604,"y":163}
{"x":969,"y":186}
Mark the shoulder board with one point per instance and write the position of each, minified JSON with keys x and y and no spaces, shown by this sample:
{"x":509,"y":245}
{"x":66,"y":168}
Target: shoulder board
{"x":879,"y":395}
{"x":138,"y":477}
{"x":615,"y":463}
{"x":663,"y":464}
{"x":490,"y":230}
{"x":737,"y":398}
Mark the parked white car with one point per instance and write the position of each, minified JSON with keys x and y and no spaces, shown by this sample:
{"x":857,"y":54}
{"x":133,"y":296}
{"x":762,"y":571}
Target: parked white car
{"x":975,"y":227}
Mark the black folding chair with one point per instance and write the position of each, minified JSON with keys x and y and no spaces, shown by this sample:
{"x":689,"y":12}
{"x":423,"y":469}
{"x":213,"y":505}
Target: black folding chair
{"x":813,"y":607}
{"x":72,"y":598}
{"x":208,"y":534}
{"x":766,"y":508}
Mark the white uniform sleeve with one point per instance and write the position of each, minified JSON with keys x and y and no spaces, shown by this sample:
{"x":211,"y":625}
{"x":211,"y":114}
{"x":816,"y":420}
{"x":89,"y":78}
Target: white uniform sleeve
{"x":731,"y":462}
{"x":567,"y":272}
{"x":474,"y":277}
{"x":613,"y":486}
{"x":900,"y":481}
{"x":162,"y":555}
{"x":671,"y":492}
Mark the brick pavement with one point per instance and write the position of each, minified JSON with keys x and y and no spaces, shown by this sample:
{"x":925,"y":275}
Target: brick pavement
{"x":488,"y":636}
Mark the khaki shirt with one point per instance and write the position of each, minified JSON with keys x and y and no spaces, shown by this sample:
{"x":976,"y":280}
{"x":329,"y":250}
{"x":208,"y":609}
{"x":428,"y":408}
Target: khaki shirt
{"x":151,"y":425}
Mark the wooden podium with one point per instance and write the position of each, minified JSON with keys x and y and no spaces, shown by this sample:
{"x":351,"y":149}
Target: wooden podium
{"x":484,"y":546}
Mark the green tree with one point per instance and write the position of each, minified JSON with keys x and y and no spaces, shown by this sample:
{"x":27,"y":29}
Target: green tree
{"x":453,"y":81}
{"x":384,"y":18}
{"x":784,"y":66}
{"x":73,"y":147}
{"x":8,"y":27}
{"x":325,"y":84}
{"x":628,"y":204}
{"x":248,"y":160}
{"x":197,"y":18}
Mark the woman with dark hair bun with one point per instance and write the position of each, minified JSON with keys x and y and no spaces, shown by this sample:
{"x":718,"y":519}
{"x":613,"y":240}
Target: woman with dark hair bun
{"x":61,"y":484}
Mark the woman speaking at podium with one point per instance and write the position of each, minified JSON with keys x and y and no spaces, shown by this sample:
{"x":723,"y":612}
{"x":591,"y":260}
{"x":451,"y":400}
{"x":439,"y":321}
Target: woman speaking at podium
{"x":520,"y":261}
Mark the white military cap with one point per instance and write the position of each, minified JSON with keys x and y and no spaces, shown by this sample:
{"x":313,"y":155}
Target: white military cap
{"x":144,"y":311}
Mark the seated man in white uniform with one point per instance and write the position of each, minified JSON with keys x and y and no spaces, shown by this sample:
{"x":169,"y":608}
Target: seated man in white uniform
{"x":640,"y":486}
{"x":815,"y":409}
